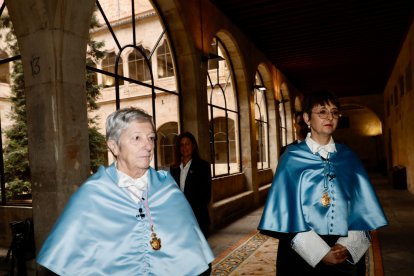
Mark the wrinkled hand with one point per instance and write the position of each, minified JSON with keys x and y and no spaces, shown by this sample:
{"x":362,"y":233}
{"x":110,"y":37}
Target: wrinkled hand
{"x":338,"y":254}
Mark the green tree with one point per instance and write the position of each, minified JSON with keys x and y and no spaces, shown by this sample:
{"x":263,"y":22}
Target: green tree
{"x":97,"y":142}
{"x":16,"y":161}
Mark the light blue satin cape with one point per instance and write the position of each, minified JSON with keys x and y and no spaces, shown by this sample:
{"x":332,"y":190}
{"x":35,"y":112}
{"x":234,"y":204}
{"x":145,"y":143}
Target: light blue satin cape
{"x":294,"y":200}
{"x":98,"y":232}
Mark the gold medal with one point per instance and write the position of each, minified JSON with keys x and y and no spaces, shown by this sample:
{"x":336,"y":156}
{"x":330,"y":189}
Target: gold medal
{"x":155,"y":242}
{"x":325,"y":200}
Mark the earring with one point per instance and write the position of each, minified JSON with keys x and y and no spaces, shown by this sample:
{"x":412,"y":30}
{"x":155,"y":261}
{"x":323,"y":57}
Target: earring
{"x":309,"y":126}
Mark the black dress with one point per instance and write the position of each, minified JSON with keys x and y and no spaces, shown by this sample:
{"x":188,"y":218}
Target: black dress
{"x":290,"y":263}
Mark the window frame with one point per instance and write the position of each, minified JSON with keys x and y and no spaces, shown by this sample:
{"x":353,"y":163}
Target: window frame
{"x":217,"y":87}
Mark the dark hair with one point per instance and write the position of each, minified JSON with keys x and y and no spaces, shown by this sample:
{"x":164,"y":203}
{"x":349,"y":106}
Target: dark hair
{"x":319,"y":98}
{"x":302,"y":125}
{"x":299,"y":114}
{"x":195,"y":155}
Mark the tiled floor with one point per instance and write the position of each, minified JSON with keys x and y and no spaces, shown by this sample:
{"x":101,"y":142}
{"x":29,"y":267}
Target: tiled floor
{"x":227,"y":236}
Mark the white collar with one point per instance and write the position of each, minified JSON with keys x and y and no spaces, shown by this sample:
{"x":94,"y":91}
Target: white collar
{"x":322,"y":150}
{"x":125,"y":181}
{"x":186,"y":165}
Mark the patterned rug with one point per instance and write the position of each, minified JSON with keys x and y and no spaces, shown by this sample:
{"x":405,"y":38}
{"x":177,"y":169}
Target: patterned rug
{"x":255,"y":254}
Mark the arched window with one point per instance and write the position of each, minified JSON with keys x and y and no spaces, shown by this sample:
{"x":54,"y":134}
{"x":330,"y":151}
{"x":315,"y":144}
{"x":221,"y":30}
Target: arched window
{"x":262,"y":125}
{"x":223,"y":113}
{"x":138,"y":70}
{"x":134,"y":31}
{"x":108,"y":65}
{"x":166,"y":137}
{"x":165,"y":67}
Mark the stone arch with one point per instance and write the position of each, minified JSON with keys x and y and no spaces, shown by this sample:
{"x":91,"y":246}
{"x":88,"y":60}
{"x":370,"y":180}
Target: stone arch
{"x":243,"y":97}
{"x":272,"y":113}
{"x":374,"y":103}
{"x":361,"y":129}
{"x":222,"y":90}
{"x":369,"y":123}
{"x":286,"y":114}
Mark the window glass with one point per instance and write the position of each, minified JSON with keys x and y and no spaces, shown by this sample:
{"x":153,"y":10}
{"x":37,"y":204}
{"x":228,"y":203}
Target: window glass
{"x":108,"y":64}
{"x":223,"y":113}
{"x":141,"y":42}
{"x":165,"y":66}
{"x":138,"y":70}
{"x":261,"y":123}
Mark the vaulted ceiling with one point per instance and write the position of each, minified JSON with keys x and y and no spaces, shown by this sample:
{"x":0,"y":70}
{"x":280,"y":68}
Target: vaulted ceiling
{"x":346,"y":46}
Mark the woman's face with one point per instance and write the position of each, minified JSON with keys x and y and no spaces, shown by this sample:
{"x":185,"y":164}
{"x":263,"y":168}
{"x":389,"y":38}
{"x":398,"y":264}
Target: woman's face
{"x":186,"y":148}
{"x":322,"y":121}
{"x":135,"y":149}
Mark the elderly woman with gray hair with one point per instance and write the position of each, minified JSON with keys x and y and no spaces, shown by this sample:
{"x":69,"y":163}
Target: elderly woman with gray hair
{"x":127,"y":219}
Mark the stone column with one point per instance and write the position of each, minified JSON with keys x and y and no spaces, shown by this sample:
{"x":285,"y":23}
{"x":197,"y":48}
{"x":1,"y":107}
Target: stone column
{"x":52,"y":37}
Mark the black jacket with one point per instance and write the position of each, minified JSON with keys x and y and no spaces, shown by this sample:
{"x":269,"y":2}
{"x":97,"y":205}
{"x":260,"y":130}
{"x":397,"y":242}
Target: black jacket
{"x":197,"y":190}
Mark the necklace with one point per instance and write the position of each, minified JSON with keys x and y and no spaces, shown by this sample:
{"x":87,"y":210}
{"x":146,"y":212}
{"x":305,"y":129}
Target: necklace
{"x":326,"y":199}
{"x":155,"y":242}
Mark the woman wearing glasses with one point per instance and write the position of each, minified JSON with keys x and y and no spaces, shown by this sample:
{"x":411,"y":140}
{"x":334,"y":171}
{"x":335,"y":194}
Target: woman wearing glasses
{"x":321,"y":205}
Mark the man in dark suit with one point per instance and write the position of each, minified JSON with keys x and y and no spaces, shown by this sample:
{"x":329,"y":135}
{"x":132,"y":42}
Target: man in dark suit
{"x":193,"y":175}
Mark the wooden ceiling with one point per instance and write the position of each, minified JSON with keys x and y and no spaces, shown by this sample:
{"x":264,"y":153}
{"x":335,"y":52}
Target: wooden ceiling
{"x":347,"y":47}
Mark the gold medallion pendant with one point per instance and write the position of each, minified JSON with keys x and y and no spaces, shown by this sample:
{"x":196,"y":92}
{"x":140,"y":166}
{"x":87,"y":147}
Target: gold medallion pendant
{"x":155,"y":242}
{"x":325,"y":200}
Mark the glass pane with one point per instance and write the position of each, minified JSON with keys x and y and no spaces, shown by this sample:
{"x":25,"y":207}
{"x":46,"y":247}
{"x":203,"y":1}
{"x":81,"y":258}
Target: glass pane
{"x":261,"y":123}
{"x":164,"y":61}
{"x":220,"y":145}
{"x":152,"y":37}
{"x":233,"y":143}
{"x":167,"y":107}
{"x":108,"y":64}
{"x":262,"y":145}
{"x":166,"y":137}
{"x":138,"y":69}
{"x":217,"y":97}
{"x":221,"y":97}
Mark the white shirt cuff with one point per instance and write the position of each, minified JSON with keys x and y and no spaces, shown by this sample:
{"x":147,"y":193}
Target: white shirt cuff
{"x":357,"y":244}
{"x":310,"y":247}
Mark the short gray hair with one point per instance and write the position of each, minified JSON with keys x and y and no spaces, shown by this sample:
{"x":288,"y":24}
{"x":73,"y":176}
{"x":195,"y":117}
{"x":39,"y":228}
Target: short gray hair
{"x":121,"y":119}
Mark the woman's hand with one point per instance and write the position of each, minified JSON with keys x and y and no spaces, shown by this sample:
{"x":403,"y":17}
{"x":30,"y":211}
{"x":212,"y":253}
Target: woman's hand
{"x":338,"y":254}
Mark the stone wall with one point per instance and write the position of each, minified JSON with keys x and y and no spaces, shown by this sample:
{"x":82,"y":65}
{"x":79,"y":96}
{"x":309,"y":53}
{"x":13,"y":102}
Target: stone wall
{"x":399,"y":113}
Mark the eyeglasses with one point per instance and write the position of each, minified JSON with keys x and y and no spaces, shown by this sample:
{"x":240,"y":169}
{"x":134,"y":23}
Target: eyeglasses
{"x":324,"y":113}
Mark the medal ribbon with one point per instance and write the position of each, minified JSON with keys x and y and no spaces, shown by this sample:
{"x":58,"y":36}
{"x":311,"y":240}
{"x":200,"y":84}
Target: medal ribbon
{"x":155,"y":242}
{"x":326,"y":199}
